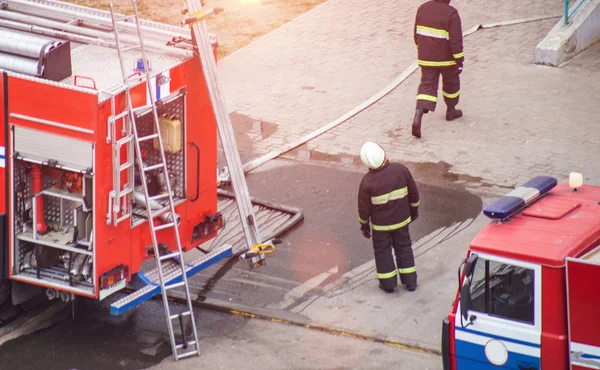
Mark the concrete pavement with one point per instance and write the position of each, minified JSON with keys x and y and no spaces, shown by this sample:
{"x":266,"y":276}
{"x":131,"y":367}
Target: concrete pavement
{"x":520,"y":119}
{"x":262,"y":345}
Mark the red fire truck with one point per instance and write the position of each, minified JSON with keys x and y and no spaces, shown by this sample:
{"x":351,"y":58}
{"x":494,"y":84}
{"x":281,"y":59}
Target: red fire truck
{"x":73,"y":216}
{"x":529,"y":296}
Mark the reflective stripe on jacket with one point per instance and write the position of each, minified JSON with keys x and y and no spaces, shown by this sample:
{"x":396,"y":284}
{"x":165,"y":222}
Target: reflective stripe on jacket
{"x":385,"y":197}
{"x":438,"y":35}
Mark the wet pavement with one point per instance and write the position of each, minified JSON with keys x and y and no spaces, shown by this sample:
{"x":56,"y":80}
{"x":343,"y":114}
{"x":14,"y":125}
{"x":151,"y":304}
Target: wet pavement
{"x":328,"y":241}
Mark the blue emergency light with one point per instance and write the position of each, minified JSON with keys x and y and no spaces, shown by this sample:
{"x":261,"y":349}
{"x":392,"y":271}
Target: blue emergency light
{"x":522,"y":196}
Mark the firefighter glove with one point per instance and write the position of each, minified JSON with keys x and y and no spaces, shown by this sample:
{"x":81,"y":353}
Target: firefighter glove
{"x":459,"y":69}
{"x":366,"y":230}
{"x":414,"y":214}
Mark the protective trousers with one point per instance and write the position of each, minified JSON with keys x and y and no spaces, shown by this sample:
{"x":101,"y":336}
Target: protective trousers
{"x":427,"y":94}
{"x":399,"y":239}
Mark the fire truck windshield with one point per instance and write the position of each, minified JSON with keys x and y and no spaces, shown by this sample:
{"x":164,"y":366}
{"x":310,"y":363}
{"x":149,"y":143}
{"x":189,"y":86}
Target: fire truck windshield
{"x":503,"y":290}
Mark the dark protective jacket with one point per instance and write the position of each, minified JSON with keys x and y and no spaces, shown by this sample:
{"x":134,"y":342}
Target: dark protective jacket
{"x":438,"y":35}
{"x":388,"y":197}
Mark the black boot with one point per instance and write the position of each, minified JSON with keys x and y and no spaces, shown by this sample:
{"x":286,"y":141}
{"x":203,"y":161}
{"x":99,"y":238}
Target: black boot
{"x":387,"y":290}
{"x":416,"y":126}
{"x":453,"y":113}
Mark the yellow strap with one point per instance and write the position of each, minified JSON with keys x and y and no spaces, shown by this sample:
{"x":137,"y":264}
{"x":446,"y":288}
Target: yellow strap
{"x":408,"y":270}
{"x":427,"y":97}
{"x":362,"y":221}
{"x":427,"y":63}
{"x":451,"y":96}
{"x":459,"y":55}
{"x":392,"y":227}
{"x":393,"y":195}
{"x":415,"y":204}
{"x":387,"y":275}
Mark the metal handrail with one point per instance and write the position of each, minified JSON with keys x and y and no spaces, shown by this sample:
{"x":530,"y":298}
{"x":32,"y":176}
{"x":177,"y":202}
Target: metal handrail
{"x":569,"y":12}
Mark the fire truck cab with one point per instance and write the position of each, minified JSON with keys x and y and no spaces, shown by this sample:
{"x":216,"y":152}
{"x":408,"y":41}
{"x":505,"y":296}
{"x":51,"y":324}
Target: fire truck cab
{"x":529,"y":289}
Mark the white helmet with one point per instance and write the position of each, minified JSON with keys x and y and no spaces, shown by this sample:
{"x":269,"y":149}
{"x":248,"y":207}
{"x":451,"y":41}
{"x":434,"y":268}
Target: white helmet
{"x":372,"y":155}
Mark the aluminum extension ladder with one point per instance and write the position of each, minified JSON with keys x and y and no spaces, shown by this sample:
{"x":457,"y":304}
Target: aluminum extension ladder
{"x":186,"y":348}
{"x":234,"y":163}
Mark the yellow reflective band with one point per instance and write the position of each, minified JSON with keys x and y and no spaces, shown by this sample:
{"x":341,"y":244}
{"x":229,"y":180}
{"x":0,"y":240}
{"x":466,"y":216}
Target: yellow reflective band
{"x":387,"y":275}
{"x":392,"y":227}
{"x":451,"y":96}
{"x":362,"y":221}
{"x":415,"y":204}
{"x":396,"y":194}
{"x":417,"y":46}
{"x":459,"y":55}
{"x":408,"y":270}
{"x":433,"y":32}
{"x":427,"y":97}
{"x":427,"y":63}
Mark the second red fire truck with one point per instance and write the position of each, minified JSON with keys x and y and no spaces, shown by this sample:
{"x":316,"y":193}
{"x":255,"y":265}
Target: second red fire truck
{"x":529,"y":296}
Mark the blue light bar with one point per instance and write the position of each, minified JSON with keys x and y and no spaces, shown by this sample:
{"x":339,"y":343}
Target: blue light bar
{"x":524,"y":195}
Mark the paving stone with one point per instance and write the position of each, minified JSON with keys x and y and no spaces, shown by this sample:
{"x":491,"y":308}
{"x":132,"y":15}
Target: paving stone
{"x":520,"y":119}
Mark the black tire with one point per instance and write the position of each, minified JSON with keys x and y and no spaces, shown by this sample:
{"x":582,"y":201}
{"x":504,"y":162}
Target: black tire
{"x":4,"y":290}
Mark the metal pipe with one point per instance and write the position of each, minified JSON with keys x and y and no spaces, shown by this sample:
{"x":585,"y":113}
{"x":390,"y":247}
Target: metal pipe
{"x":54,"y":33}
{"x":139,"y":199}
{"x":77,"y":265}
{"x":65,"y":297}
{"x":104,"y":13}
{"x":84,"y":39}
{"x":19,"y":64}
{"x":81,"y":31}
{"x":37,"y":185}
{"x":35,"y":8}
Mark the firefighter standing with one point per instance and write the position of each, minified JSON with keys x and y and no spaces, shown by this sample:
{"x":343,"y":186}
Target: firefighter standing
{"x":439,"y":41}
{"x":388,"y":199}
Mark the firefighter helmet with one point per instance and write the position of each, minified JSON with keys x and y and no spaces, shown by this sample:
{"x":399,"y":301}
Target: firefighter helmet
{"x":372,"y":155}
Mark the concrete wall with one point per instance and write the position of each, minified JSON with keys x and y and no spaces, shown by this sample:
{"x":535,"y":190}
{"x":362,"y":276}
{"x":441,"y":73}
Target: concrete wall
{"x":563,"y":42}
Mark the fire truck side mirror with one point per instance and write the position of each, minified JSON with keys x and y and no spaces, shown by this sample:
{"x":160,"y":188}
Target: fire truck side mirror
{"x":465,"y":299}
{"x":470,"y":265}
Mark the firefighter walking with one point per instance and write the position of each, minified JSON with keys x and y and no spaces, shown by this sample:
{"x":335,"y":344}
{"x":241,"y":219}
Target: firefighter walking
{"x":388,"y":201}
{"x":439,"y":41}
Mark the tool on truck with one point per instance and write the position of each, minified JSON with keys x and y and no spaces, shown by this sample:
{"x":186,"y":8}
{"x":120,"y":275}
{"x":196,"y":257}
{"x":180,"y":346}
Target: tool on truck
{"x":529,"y":292}
{"x":108,"y":156}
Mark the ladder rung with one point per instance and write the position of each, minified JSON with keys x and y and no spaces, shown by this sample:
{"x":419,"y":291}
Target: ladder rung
{"x":185,"y":313}
{"x":125,"y":191}
{"x":190,"y":343}
{"x":124,"y":140}
{"x":187,"y":354}
{"x":125,"y":166}
{"x":147,"y":137}
{"x":159,"y":197}
{"x":167,"y":256}
{"x":165,"y":226}
{"x":121,"y":115}
{"x":175,"y":285}
{"x":153,"y":167}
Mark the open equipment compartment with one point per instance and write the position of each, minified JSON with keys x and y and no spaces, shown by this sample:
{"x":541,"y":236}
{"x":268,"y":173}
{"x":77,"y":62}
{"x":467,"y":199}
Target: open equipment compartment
{"x":52,"y":214}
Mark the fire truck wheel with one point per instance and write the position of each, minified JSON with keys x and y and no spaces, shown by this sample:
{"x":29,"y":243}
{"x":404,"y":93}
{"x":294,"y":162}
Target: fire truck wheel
{"x":4,"y":290}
